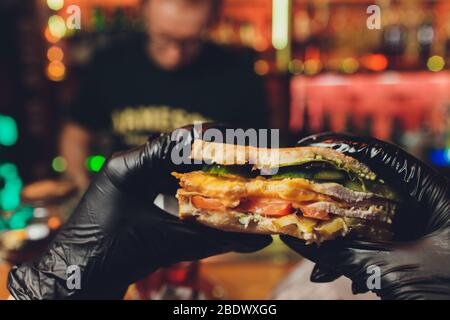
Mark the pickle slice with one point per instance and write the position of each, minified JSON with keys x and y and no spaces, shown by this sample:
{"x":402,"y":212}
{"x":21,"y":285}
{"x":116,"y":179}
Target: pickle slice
{"x":231,"y":170}
{"x":329,"y":175}
{"x":293,"y":175}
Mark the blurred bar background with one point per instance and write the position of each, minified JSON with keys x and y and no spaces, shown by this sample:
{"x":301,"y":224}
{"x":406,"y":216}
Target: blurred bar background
{"x":323,"y":69}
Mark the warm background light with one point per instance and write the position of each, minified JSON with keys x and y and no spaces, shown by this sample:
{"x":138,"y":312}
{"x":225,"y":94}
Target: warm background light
{"x":49,"y":36}
{"x":313,"y":66}
{"x":261,"y":67}
{"x":57,"y":26}
{"x":280,"y":24}
{"x":296,"y":66}
{"x":55,"y":4}
{"x":350,"y":65}
{"x":55,"y":54}
{"x":375,"y":62}
{"x":436,"y":63}
{"x":56,"y":71}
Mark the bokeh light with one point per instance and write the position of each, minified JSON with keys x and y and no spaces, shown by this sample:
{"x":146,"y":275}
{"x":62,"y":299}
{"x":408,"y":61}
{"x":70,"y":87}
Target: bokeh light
{"x":59,"y":164}
{"x":95,"y":162}
{"x":49,"y":37}
{"x":10,"y":193}
{"x":56,"y":71}
{"x":55,"y":4}
{"x":375,"y":62}
{"x":440,"y":157}
{"x":262,"y":67}
{"x":55,"y":53}
{"x":3,"y":224}
{"x":312,"y":66}
{"x":20,"y":218}
{"x":350,"y":65}
{"x":8,"y":131}
{"x":54,"y":222}
{"x":296,"y":66}
{"x":57,"y":26}
{"x":280,"y":24}
{"x":436,"y":63}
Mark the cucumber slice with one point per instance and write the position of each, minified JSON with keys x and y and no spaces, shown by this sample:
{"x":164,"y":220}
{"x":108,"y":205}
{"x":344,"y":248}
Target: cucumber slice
{"x":292,"y":175}
{"x":329,"y":175}
{"x":219,"y":170}
{"x":235,"y":170}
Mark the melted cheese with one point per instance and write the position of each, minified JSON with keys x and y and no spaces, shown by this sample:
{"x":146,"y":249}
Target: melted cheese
{"x":236,"y":188}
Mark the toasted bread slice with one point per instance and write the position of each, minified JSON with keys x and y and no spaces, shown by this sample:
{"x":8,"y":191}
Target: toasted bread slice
{"x":228,"y":154}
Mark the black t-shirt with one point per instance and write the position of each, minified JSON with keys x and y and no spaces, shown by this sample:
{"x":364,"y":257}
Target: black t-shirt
{"x":124,"y":93}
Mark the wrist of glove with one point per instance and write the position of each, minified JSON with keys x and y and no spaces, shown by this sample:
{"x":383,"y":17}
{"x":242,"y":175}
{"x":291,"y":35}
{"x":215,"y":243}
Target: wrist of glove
{"x":415,"y":264}
{"x":116,"y":235}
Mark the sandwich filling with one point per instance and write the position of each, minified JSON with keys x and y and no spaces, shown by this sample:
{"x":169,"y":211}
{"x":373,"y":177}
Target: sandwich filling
{"x":315,"y":200}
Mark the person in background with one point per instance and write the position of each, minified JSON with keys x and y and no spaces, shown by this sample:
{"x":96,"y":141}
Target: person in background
{"x":167,"y":78}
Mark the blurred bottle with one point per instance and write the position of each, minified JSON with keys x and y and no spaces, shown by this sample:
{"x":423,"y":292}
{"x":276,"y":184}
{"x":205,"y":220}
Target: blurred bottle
{"x":98,"y":20}
{"x":394,"y":43}
{"x":447,"y":42}
{"x":326,"y":124}
{"x":367,"y":129}
{"x":425,"y":38}
{"x":397,"y":131}
{"x":350,"y":124}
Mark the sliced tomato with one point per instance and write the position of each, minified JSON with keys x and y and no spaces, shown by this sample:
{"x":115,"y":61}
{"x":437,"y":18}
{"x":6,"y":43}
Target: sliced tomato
{"x":314,"y":213}
{"x":266,"y":207}
{"x":207,"y":203}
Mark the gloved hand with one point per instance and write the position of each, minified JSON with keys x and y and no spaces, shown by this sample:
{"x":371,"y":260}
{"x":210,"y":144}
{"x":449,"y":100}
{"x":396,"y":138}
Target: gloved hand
{"x":117,"y":235}
{"x":416,"y":263}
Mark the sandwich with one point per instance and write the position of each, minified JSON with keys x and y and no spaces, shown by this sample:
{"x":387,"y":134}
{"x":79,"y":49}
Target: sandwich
{"x":311,"y":193}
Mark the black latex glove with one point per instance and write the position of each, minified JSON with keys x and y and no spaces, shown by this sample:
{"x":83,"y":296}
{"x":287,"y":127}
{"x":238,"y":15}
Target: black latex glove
{"x":117,"y":236}
{"x":416,"y":263}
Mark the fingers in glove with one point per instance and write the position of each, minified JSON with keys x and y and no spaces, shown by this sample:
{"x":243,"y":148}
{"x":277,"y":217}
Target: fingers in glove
{"x":359,"y":287}
{"x":341,"y":257}
{"x":226,"y":241}
{"x":310,"y":251}
{"x":246,"y":243}
{"x":321,"y":274}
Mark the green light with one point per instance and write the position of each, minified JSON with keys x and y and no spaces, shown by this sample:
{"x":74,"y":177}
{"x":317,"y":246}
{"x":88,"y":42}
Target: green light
{"x":435,"y":63}
{"x":57,"y":26}
{"x":9,"y":199}
{"x":280,"y":24}
{"x":8,"y":131}
{"x":17,"y":222}
{"x":447,"y":154}
{"x":10,"y":193}
{"x":3,"y":225}
{"x":55,"y":4}
{"x":59,"y":164}
{"x":25,"y":213}
{"x":8,"y":171}
{"x":95,"y":163}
